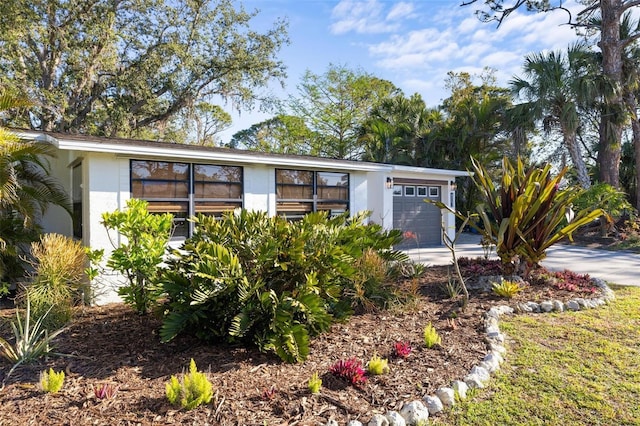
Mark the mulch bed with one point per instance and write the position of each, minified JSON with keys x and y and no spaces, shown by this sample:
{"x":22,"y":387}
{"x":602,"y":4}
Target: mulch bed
{"x":111,"y":344}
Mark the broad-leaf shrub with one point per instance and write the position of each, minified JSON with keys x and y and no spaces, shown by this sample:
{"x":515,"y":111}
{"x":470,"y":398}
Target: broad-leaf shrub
{"x":139,"y":256}
{"x":270,"y":282}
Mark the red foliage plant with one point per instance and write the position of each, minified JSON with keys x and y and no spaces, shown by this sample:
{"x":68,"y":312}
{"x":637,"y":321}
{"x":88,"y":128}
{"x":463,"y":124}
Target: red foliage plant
{"x":269,"y":393}
{"x":480,"y":266}
{"x":571,"y":281}
{"x":350,"y":370}
{"x":402,"y":349}
{"x":105,"y":391}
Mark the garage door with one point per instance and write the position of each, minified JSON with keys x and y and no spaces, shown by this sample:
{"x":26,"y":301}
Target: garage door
{"x":412,"y":215}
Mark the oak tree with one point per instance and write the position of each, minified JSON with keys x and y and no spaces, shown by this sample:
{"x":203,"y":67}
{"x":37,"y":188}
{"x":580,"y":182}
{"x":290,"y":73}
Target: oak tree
{"x":113,"y":67}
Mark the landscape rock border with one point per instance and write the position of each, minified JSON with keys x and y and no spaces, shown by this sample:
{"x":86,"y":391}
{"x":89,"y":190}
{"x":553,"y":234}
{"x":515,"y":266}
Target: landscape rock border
{"x":418,"y":412}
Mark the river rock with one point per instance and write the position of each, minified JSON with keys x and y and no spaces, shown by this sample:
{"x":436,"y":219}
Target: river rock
{"x":414,"y":412}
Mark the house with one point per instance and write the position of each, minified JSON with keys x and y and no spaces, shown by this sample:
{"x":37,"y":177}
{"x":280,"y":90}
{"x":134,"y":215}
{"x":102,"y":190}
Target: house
{"x":101,"y":174}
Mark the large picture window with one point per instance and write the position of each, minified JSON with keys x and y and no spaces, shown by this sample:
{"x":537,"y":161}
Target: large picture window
{"x":185,"y":189}
{"x":299,"y":192}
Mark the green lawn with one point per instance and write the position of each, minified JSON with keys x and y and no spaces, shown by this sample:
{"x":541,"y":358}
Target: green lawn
{"x":579,"y":368}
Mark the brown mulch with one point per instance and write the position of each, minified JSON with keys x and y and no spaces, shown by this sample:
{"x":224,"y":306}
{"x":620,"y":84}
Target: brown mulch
{"x":111,"y":344}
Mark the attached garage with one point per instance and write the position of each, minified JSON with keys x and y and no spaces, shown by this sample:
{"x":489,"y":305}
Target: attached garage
{"x":421,"y":221}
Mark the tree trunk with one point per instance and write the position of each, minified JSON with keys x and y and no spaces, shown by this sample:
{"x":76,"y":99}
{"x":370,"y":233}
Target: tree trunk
{"x":635,"y":125}
{"x":571,"y":143}
{"x":632,"y":104}
{"x":613,"y":109}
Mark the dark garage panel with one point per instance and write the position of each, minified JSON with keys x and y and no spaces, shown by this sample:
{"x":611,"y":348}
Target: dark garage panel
{"x":411,"y":213}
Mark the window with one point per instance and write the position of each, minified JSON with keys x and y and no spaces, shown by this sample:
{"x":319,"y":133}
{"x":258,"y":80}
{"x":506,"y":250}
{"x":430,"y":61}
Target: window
{"x":184,"y":189}
{"x":434,"y":191}
{"x":397,"y":190}
{"x":422,"y":191}
{"x":409,"y":191}
{"x":76,"y":198}
{"x":299,"y":192}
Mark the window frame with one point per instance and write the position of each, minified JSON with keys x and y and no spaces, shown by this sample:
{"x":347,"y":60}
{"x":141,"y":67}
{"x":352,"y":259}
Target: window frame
{"x":287,"y":206}
{"x":191,"y":200}
{"x":412,"y":187}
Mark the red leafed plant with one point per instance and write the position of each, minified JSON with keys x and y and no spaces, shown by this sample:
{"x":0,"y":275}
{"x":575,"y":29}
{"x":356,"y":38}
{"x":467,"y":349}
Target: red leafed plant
{"x":269,"y":393}
{"x":350,"y":370}
{"x":105,"y":390}
{"x":402,"y":349}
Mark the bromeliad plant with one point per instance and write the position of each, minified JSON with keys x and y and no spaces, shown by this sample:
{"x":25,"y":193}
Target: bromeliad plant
{"x":527,"y":212}
{"x":105,"y":391}
{"x":402,"y":349}
{"x":506,"y":288}
{"x":350,"y":370}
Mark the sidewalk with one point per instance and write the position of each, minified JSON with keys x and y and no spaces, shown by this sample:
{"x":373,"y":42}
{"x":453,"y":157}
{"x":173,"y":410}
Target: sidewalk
{"x":618,"y":267}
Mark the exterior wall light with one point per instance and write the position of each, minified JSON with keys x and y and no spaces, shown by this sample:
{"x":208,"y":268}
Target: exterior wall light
{"x":389,"y":183}
{"x":453,"y":186}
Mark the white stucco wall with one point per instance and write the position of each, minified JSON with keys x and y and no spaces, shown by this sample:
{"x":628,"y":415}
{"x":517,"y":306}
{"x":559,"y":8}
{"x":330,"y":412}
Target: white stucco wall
{"x":56,"y":219}
{"x":259,"y":188}
{"x":380,"y":199}
{"x":358,"y":192}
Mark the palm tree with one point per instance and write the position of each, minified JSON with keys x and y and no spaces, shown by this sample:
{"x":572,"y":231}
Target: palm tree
{"x":554,"y":91}
{"x":26,"y":188}
{"x":396,"y":130}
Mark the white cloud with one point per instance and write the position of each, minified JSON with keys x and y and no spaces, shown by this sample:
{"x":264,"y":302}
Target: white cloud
{"x":368,"y":17}
{"x":401,"y":10}
{"x":358,"y":16}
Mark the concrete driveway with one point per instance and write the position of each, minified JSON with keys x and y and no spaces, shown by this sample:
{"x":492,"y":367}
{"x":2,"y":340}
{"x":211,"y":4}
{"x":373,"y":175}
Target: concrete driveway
{"x":618,"y":267}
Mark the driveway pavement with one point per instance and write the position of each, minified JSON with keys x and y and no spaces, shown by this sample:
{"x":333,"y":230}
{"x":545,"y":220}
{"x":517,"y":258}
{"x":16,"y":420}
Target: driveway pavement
{"x":617,"y":267}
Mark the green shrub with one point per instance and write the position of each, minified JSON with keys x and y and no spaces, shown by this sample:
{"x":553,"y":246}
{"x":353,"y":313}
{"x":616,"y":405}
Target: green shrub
{"x":51,"y":382}
{"x":613,"y":203}
{"x":194,"y":390}
{"x":266,"y":281}
{"x":59,"y":279}
{"x":431,"y":336}
{"x":138,"y":258}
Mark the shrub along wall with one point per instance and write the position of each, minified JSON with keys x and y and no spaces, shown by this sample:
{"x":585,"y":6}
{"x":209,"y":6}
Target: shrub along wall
{"x":275,"y":283}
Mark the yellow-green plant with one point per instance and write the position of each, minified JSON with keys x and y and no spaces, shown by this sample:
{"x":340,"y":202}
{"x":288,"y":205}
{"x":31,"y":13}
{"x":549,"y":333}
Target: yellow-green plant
{"x":377,"y":365}
{"x":431,"y":336}
{"x":59,"y":279}
{"x":194,"y":390}
{"x":506,"y":288}
{"x":50,"y":381}
{"x":315,"y":383}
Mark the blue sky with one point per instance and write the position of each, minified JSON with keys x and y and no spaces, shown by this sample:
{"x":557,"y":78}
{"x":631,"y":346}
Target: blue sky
{"x":413,"y":44}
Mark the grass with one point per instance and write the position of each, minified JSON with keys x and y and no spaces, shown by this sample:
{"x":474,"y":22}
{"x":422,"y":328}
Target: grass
{"x":579,"y":368}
